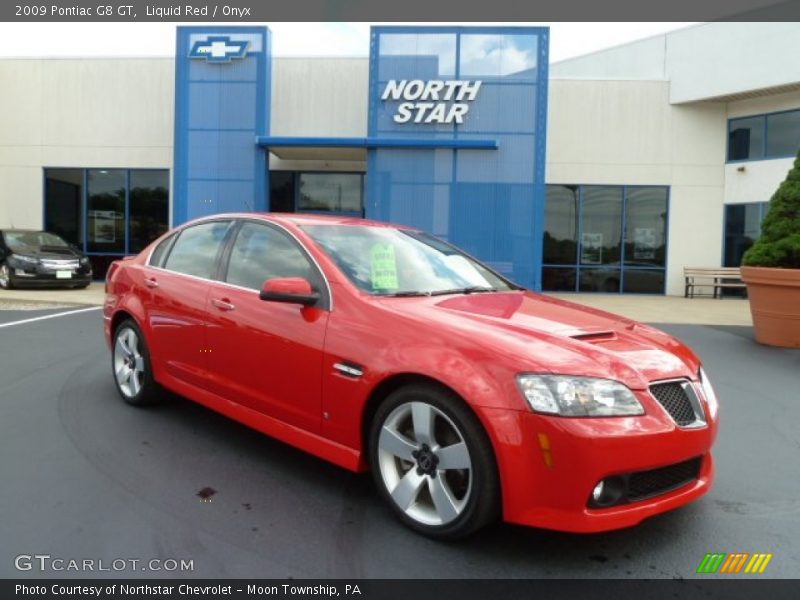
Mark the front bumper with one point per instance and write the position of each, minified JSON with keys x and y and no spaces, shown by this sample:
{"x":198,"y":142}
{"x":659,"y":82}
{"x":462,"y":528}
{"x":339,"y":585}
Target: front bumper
{"x":550,"y":465}
{"x":37,"y":276}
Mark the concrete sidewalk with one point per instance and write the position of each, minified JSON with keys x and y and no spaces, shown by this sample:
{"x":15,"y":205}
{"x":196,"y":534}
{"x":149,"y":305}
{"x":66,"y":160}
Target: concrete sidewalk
{"x":649,"y":309}
{"x":669,"y":309}
{"x":32,"y":299}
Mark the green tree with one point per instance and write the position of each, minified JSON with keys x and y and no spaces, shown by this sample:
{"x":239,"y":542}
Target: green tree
{"x":779,"y":244}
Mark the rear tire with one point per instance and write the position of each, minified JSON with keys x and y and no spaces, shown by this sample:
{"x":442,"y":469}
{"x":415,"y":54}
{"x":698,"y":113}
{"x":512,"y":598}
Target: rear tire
{"x":131,"y":367}
{"x":5,"y":277}
{"x":433,"y":462}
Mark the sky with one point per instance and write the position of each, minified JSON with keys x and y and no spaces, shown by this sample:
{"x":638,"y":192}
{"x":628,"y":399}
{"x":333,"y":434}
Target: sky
{"x":289,"y":39}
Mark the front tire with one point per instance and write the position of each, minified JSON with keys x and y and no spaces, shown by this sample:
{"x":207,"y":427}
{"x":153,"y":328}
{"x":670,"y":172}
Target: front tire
{"x":5,"y":277}
{"x":131,"y":367}
{"x":433,"y":462}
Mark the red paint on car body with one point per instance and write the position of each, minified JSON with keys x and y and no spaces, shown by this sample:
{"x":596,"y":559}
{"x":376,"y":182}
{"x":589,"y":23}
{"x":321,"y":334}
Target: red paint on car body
{"x":271,"y":366}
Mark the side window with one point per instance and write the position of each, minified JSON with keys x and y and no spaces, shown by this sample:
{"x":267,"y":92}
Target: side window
{"x":157,"y":257}
{"x":196,"y":249}
{"x":261,"y":252}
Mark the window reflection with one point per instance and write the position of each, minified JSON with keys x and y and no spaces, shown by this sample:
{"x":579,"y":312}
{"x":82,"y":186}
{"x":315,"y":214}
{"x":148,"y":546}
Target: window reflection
{"x":490,"y":55}
{"x":561,"y":225}
{"x":645,"y":227}
{"x":431,"y":55}
{"x":106,"y":210}
{"x":605,"y":239}
{"x":601,"y":229}
{"x":261,"y":253}
{"x":195,"y":251}
{"x":330,"y":192}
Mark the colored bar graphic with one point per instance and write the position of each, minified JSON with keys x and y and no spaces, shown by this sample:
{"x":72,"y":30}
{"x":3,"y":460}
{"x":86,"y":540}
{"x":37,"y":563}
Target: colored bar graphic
{"x":723,"y":563}
{"x":710,"y":563}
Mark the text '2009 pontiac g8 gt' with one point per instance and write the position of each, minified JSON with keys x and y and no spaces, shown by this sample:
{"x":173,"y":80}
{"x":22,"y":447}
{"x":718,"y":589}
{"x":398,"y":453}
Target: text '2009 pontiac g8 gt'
{"x":383,"y":348}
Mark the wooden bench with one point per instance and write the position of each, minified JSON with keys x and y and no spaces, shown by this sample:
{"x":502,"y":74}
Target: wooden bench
{"x":717,"y":278}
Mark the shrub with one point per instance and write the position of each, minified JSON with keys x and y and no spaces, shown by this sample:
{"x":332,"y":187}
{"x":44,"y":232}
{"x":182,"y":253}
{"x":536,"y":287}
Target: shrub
{"x":779,"y":244}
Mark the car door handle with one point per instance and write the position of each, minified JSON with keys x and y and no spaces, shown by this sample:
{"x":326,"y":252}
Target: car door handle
{"x":222,"y":304}
{"x":151,"y":282}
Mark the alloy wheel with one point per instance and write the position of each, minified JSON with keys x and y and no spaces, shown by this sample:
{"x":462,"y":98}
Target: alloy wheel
{"x":5,"y":276}
{"x":128,"y":363}
{"x":425,"y":463}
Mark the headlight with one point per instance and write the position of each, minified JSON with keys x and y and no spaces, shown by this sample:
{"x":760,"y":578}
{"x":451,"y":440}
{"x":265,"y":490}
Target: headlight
{"x":25,"y":260}
{"x":708,"y":392}
{"x":578,"y":396}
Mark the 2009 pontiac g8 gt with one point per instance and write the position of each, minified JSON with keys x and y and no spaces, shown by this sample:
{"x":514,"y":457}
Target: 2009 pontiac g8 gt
{"x":383,"y":348}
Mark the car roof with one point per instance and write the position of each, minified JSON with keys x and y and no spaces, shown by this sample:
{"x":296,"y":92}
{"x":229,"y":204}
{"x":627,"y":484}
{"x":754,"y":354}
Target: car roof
{"x":301,"y":219}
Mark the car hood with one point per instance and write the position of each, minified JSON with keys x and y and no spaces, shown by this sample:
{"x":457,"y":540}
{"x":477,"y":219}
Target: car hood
{"x":554,"y":336}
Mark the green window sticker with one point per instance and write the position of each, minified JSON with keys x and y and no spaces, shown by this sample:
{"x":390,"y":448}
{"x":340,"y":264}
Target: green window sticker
{"x":383,"y":267}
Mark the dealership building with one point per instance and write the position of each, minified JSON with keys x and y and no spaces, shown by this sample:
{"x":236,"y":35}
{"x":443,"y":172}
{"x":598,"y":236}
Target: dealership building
{"x":609,"y":172}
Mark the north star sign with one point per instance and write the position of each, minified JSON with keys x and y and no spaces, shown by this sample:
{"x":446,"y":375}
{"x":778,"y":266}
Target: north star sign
{"x":219,"y":48}
{"x":432,"y":101}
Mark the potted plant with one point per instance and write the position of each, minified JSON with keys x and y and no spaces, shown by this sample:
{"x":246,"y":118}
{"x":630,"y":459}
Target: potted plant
{"x":771,"y":268}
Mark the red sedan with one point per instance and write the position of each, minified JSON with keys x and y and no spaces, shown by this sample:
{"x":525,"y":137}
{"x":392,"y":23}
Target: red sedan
{"x":383,"y":348}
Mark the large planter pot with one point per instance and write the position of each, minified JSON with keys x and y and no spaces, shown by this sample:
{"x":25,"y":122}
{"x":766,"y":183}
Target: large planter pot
{"x":775,"y":305}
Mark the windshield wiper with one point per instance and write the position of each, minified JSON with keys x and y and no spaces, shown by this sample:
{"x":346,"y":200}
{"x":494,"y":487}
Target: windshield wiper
{"x":409,"y":294}
{"x":474,"y":289}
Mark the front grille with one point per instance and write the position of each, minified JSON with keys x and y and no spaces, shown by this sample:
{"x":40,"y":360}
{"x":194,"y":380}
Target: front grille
{"x":644,"y":484}
{"x":55,"y":264}
{"x":673,"y":398}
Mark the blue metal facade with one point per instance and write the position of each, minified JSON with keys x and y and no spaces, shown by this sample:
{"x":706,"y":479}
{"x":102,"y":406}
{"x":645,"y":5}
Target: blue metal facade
{"x":478,"y":184}
{"x":487,"y":201}
{"x":222,"y":102}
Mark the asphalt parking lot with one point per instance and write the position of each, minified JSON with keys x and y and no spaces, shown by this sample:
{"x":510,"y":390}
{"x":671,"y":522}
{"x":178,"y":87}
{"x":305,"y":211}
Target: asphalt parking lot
{"x":85,"y":476}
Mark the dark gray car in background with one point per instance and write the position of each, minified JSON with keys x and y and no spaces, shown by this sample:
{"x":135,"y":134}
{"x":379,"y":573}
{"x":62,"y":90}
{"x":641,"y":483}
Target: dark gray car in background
{"x":31,"y":258}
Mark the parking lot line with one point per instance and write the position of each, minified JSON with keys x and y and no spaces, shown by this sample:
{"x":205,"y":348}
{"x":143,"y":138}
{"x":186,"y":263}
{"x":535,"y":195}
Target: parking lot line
{"x":61,"y":314}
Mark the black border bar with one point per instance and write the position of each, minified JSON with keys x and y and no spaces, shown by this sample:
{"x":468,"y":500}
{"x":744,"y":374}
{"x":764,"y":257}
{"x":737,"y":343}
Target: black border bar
{"x":711,"y":588}
{"x":447,"y":11}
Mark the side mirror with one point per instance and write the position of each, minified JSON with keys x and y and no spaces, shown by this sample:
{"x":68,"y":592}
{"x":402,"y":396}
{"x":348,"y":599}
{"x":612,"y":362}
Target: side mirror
{"x":293,"y":290}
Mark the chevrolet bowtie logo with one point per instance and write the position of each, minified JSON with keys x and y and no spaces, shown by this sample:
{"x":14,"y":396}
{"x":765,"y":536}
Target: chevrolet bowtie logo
{"x":219,"y":49}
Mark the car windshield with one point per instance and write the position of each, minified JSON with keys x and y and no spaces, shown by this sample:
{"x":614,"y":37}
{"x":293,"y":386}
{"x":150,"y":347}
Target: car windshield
{"x":395,"y":262}
{"x":20,"y":241}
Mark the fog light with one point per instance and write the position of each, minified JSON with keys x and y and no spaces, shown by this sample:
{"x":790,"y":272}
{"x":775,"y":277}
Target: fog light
{"x":608,"y":492}
{"x":597,"y":493}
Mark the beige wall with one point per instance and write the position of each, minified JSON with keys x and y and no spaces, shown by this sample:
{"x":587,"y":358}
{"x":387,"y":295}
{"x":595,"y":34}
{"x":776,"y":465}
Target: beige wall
{"x":320,"y":97}
{"x":118,"y":113}
{"x":627,"y":132}
{"x":79,"y":113}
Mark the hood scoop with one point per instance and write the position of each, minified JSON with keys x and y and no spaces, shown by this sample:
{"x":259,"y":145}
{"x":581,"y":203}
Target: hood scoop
{"x":594,"y":337}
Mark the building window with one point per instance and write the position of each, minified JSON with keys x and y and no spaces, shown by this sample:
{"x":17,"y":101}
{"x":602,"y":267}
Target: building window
{"x":742,"y":229}
{"x":775,"y":135}
{"x":329,"y":192}
{"x":783,"y":133}
{"x":605,"y":239}
{"x":108,"y":213}
{"x":148,"y":215}
{"x":63,"y":190}
{"x":281,"y":191}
